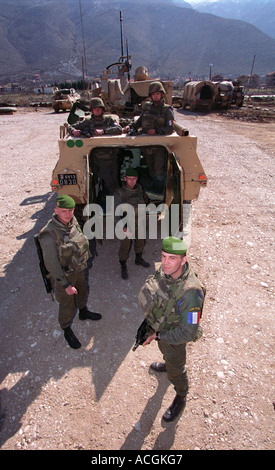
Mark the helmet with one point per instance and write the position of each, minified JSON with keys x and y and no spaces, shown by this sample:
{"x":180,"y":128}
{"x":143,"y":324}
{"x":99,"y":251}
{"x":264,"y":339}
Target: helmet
{"x":96,"y":103}
{"x":155,"y":87}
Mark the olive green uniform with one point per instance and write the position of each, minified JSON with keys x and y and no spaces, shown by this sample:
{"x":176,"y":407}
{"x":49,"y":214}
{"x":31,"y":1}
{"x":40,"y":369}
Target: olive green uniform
{"x":173,"y":307}
{"x":134,"y":197}
{"x":66,"y":252}
{"x":88,"y":126}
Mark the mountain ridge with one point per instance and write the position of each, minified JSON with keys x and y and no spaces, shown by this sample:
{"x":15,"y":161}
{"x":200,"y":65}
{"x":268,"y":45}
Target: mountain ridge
{"x":258,"y":13}
{"x":46,"y":38}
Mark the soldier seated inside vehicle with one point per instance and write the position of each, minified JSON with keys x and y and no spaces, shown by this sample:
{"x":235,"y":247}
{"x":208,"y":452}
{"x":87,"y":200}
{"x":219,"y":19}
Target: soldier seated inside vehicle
{"x":108,"y":166}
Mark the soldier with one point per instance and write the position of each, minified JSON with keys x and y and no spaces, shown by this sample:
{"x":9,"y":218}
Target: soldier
{"x":103,"y":161}
{"x":66,"y":252}
{"x":172,"y":300}
{"x":157,"y":118}
{"x":98,"y":124}
{"x":131,"y":193}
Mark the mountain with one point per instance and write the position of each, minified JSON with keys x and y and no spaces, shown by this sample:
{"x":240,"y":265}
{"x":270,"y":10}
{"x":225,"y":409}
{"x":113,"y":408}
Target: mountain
{"x":260,"y":13}
{"x":45,"y":37}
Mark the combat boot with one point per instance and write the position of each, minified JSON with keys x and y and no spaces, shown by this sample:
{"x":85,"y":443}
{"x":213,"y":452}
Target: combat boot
{"x":175,"y":409}
{"x":158,"y":366}
{"x":124,"y":271}
{"x":85,"y":314}
{"x":140,"y":261}
{"x":71,"y":338}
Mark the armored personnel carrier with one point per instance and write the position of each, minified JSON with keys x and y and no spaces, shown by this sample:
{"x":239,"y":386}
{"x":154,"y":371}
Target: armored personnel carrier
{"x":64,"y":99}
{"x":124,"y":97}
{"x":182,"y":173}
{"x":199,"y":95}
{"x":122,"y":94}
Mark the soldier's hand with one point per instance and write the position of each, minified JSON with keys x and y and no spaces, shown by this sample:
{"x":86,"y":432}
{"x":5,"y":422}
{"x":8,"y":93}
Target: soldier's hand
{"x":70,"y":290}
{"x":98,"y":131}
{"x":76,"y":132}
{"x":127,"y":233}
{"x":149,"y":339}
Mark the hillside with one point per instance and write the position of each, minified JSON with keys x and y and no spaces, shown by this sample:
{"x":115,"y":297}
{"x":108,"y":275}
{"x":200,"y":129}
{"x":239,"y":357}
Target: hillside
{"x":46,"y":37}
{"x":259,"y":13}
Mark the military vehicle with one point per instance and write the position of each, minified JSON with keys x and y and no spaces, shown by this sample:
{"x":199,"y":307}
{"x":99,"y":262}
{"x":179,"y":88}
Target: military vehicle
{"x":199,"y":95}
{"x":122,"y":94}
{"x":64,"y":99}
{"x":183,"y":175}
{"x":208,"y":95}
{"x":238,"y":93}
{"x":224,"y":94}
{"x":125,"y":97}
{"x":76,"y":175}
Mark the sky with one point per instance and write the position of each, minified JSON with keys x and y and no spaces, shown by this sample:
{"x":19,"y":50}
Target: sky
{"x":194,"y":2}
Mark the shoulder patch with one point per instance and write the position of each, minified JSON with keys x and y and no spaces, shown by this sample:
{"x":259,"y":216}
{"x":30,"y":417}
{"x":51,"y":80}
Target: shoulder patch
{"x":193,"y":316}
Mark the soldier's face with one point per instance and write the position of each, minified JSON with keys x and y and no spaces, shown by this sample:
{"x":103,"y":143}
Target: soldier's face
{"x":131,"y":181}
{"x":156,"y":96}
{"x":97,"y":111}
{"x":64,"y":215}
{"x":172,"y":264}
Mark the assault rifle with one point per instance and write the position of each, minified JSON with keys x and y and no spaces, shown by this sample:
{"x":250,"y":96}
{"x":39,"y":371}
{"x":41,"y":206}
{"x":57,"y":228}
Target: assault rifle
{"x":43,"y":269}
{"x":143,"y":332}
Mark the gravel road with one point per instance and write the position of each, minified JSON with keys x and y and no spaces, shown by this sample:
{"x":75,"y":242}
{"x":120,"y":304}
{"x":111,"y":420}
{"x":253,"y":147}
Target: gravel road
{"x":103,"y":396}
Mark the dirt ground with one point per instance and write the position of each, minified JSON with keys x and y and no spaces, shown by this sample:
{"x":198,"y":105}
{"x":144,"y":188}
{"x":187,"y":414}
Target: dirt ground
{"x":103,"y":396}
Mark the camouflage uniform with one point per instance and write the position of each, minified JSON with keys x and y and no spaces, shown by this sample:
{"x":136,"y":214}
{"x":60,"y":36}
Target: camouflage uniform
{"x":173,"y":307}
{"x":88,"y":126}
{"x":159,"y":117}
{"x":66,"y":252}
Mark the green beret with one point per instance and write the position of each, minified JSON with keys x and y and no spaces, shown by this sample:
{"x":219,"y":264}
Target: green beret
{"x":65,"y":202}
{"x":173,"y":245}
{"x":131,"y":172}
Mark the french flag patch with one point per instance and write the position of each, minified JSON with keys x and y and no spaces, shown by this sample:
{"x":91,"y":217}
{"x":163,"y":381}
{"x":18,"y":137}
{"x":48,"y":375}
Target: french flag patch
{"x":170,"y":123}
{"x":193,"y":317}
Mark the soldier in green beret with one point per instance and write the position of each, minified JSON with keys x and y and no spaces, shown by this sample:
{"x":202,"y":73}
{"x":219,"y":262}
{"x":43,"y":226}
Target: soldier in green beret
{"x":66,"y":252}
{"x":172,"y":300}
{"x":131,"y":193}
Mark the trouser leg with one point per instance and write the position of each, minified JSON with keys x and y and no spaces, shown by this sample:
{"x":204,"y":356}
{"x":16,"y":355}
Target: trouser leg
{"x":138,"y":246}
{"x":175,"y":359}
{"x":69,"y":303}
{"x":124,"y":249}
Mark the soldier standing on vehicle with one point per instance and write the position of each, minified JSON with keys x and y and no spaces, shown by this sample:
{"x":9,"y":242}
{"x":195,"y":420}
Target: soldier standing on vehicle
{"x":66,"y":252}
{"x":131,"y":193}
{"x":172,"y":300}
{"x":157,"y":118}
